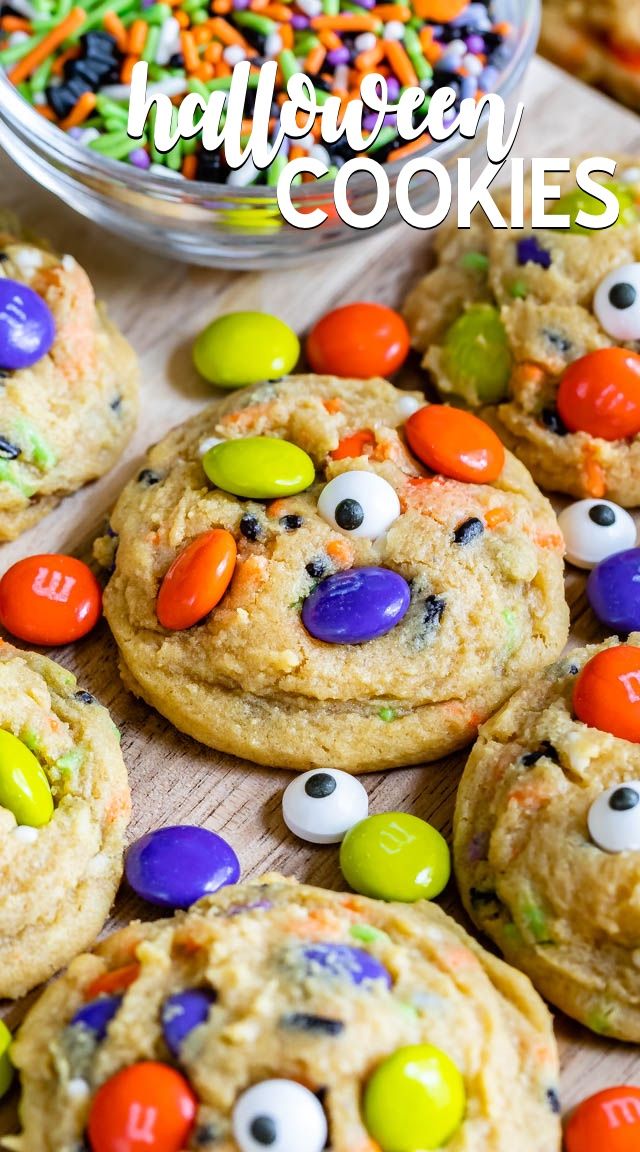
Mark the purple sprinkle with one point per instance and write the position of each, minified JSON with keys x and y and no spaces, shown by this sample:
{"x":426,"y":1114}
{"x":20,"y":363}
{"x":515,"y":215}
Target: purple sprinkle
{"x":479,"y":847}
{"x":239,"y":5}
{"x":140,"y":158}
{"x":449,"y":116}
{"x":475,"y":43}
{"x":237,"y":909}
{"x":530,"y":251}
{"x":365,"y":3}
{"x":75,"y":133}
{"x":369,"y":122}
{"x":338,"y":56}
{"x":299,"y":23}
{"x":393,"y":88}
{"x":488,"y":79}
{"x":468,"y":87}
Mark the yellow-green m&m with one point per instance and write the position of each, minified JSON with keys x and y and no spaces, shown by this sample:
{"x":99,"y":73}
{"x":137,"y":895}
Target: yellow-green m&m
{"x":415,"y":1100}
{"x":395,"y":856}
{"x":6,"y":1067}
{"x":245,"y":348}
{"x":24,"y":788}
{"x":259,"y":467}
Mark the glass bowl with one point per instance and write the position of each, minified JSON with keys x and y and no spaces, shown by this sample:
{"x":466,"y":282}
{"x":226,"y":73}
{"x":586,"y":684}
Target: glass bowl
{"x":215,"y":224}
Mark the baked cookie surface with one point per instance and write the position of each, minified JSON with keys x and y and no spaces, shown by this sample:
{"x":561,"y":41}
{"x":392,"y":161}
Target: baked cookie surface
{"x":486,"y":606}
{"x":598,"y":43}
{"x":306,"y":985}
{"x":65,"y":419}
{"x":506,"y":311}
{"x":531,"y":874}
{"x":58,"y":880}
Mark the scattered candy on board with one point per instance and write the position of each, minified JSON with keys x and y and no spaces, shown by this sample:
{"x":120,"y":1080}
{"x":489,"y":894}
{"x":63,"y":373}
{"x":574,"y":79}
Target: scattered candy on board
{"x":455,"y":443}
{"x":586,"y":401}
{"x":617,"y":303}
{"x":614,"y":818}
{"x":607,"y":692}
{"x":27,"y":327}
{"x":259,"y":467}
{"x":6,"y":1067}
{"x":321,"y":806}
{"x":147,"y":1107}
{"x":245,"y":348}
{"x":356,"y":605}
{"x":49,"y":599}
{"x":279,"y":1114}
{"x":197,"y":580}
{"x":415,"y":1099}
{"x":359,"y":504}
{"x":174,"y":867}
{"x":606,"y":1122}
{"x":358,"y":341}
{"x":594,"y":530}
{"x":613,"y":591}
{"x":24,"y":788}
{"x":395,"y":856}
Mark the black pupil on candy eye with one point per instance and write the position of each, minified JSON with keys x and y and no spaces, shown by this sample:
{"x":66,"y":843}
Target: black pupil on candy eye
{"x":623,"y":799}
{"x":349,"y":515}
{"x":622,"y":295}
{"x":264,"y":1131}
{"x":320,"y":785}
{"x":603,"y":515}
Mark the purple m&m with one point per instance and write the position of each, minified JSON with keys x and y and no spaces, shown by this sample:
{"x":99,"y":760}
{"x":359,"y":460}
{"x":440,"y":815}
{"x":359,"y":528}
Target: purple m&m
{"x":173,"y":867}
{"x":27,"y":327}
{"x":97,"y":1015}
{"x":182,"y":1013}
{"x":344,"y":962}
{"x":356,"y":605}
{"x":613,"y":591}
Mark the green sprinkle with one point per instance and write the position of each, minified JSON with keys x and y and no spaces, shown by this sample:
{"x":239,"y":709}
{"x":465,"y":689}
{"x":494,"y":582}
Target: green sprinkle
{"x":387,"y":714}
{"x":600,"y":1020}
{"x":257,"y":23}
{"x":536,"y":922}
{"x":40,"y":77}
{"x":331,"y":7}
{"x":385,"y":136}
{"x":512,"y":933}
{"x":474,"y":262}
{"x":513,"y":632}
{"x":368,"y":934}
{"x":115,"y":145}
{"x":31,"y":739}
{"x":203,"y":90}
{"x":15,"y":52}
{"x":276,"y":169}
{"x":422,"y":67}
{"x":158,"y":13}
{"x":288,"y":64}
{"x":151,"y":44}
{"x":519,"y":290}
{"x":70,"y":762}
{"x":10,"y":473}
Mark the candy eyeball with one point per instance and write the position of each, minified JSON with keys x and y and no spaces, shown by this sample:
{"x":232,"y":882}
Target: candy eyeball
{"x":593,"y":530}
{"x":614,"y":818}
{"x":617,"y":303}
{"x":280,"y":1115}
{"x":321,"y":807}
{"x":359,"y":504}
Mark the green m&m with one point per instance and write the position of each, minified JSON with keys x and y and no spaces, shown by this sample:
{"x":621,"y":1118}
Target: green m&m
{"x":245,"y":348}
{"x":578,"y":200}
{"x":395,"y":856}
{"x":259,"y":467}
{"x":415,"y":1099}
{"x":24,"y":788}
{"x":6,"y":1067}
{"x":476,"y":356}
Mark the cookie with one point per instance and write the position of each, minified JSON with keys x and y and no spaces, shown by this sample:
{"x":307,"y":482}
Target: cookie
{"x":504,"y":314}
{"x":598,"y":43}
{"x":62,"y":852}
{"x":469,"y":573}
{"x":292,"y":983}
{"x":65,"y":417}
{"x":545,"y":863}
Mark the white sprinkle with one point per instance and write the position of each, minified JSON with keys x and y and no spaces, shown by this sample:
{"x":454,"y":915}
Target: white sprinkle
{"x":99,"y":865}
{"x":68,"y":262}
{"x":171,"y":86}
{"x":310,"y":7}
{"x":78,"y":1090}
{"x":629,"y":176}
{"x":88,"y":134}
{"x":472,"y":65}
{"x":240,"y":177}
{"x":29,"y":260}
{"x":25,"y":834}
{"x":233,"y":55}
{"x":160,"y":170}
{"x":205,"y":445}
{"x":39,"y":99}
{"x":17,"y":38}
{"x":407,"y":405}
{"x":340,"y":78}
{"x":273,"y":45}
{"x":365,"y":42}
{"x":24,"y":8}
{"x":394,"y":30}
{"x":321,"y":154}
{"x":169,"y":42}
{"x":456,"y":48}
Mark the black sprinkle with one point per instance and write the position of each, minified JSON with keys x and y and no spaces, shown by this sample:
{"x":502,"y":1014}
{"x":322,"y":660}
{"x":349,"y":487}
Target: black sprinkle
{"x":4,"y":374}
{"x":250,"y":527}
{"x":480,"y":897}
{"x":303,"y":1022}
{"x":572,"y":670}
{"x":264,"y":1130}
{"x":206,"y":1134}
{"x":177,"y":61}
{"x":622,"y":295}
{"x":316,"y":568}
{"x":553,"y":1101}
{"x":319,"y":785}
{"x":291,"y":522}
{"x":84,"y":697}
{"x":545,"y":749}
{"x":4,"y":256}
{"x":603,"y":515}
{"x":148,"y":477}
{"x":468,"y":531}
{"x":623,"y":799}
{"x":557,"y":340}
{"x":552,"y":421}
{"x":8,"y":451}
{"x":434,"y":606}
{"x":116,"y":404}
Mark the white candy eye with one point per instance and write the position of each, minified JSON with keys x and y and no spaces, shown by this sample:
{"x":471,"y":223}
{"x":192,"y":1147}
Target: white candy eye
{"x":614,"y":818}
{"x":617,"y":303}
{"x":279,"y":1115}
{"x":360,"y":504}
{"x":595,"y":529}
{"x":321,"y":807}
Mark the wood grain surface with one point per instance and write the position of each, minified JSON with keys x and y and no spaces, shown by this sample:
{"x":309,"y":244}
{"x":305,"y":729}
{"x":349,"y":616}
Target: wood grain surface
{"x":161,"y":305}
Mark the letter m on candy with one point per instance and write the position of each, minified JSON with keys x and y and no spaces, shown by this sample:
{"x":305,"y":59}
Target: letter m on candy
{"x":624,"y":1112}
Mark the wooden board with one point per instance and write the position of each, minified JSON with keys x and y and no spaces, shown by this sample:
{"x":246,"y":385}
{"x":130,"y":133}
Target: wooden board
{"x":161,"y":305}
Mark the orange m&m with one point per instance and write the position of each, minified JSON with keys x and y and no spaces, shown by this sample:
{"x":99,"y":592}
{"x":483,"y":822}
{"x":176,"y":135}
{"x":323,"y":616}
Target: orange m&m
{"x":148,"y":1107}
{"x":49,"y":599}
{"x":600,"y":394}
{"x":197,"y":580}
{"x":607,"y":692}
{"x":607,"y":1122}
{"x":359,"y":340}
{"x":455,"y":443}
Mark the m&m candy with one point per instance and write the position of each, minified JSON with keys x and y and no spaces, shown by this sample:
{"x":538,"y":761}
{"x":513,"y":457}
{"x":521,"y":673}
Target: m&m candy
{"x":259,"y":467}
{"x":344,"y":962}
{"x":175,"y":866}
{"x":613,"y":591}
{"x":96,"y":1016}
{"x":606,"y":1122}
{"x":360,"y":504}
{"x":455,"y":443}
{"x":321,"y":806}
{"x":147,"y":1107}
{"x":356,"y":605}
{"x":476,"y":356}
{"x":359,"y":340}
{"x":614,"y":818}
{"x":24,"y":787}
{"x":415,"y":1099}
{"x":607,"y":692}
{"x":600,"y":394}
{"x":594,"y":530}
{"x":6,"y":1067}
{"x":27,"y":327}
{"x":49,"y":599}
{"x":197,"y":580}
{"x":395,"y":856}
{"x":616,"y":303}
{"x":182,"y":1012}
{"x":245,"y":348}
{"x":279,"y":1114}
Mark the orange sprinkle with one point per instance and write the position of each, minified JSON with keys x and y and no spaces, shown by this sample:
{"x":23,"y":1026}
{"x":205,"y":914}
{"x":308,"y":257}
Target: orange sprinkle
{"x":285,"y":32}
{"x":126,"y":71}
{"x":137,"y":37}
{"x":205,"y":71}
{"x":332,"y":405}
{"x":110,"y":982}
{"x":60,"y":61}
{"x":276,"y":509}
{"x":366,"y":61}
{"x":182,"y":18}
{"x":46,"y":112}
{"x":503,"y":28}
{"x":226,"y":33}
{"x":47,"y":45}
{"x":440,"y":11}
{"x":410,"y":148}
{"x":114,"y":26}
{"x":497,"y":516}
{"x":189,"y":51}
{"x":329,"y":39}
{"x":340,"y":552}
{"x":593,"y":475}
{"x":553,"y":541}
{"x":213,"y":52}
{"x":14,"y":24}
{"x":223,"y":69}
{"x":314,"y":60}
{"x":392,"y":12}
{"x":222,"y":7}
{"x":345,"y":22}
{"x":253,"y":570}
{"x":81,"y":112}
{"x":279,"y":12}
{"x":190,"y":166}
{"x":531,"y":373}
{"x":402,"y":66}
{"x":295,"y":151}
{"x":201,"y":34}
{"x":258,"y":5}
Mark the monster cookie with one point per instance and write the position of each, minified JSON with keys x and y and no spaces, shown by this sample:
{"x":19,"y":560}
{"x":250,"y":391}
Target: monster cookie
{"x":68,"y":382}
{"x":294,"y":586}
{"x":64,"y":807}
{"x":286,"y":1016}
{"x":598,"y":43}
{"x":531,"y":327}
{"x":547,"y":834}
